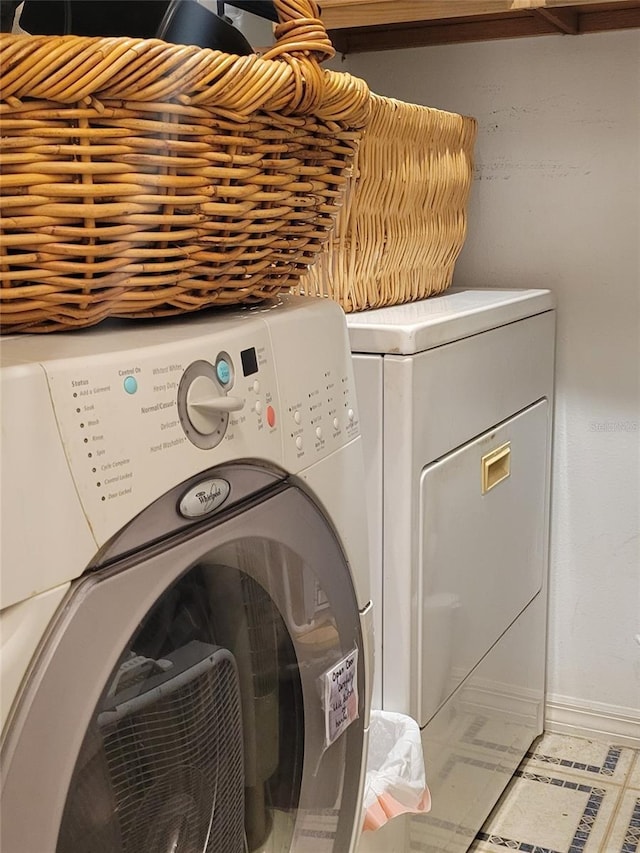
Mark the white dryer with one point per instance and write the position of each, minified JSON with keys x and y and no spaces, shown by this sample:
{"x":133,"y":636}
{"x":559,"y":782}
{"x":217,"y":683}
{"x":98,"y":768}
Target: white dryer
{"x":185,"y":613}
{"x":455,"y":396}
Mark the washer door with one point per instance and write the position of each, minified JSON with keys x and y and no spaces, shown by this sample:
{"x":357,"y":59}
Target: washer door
{"x":200,"y":697}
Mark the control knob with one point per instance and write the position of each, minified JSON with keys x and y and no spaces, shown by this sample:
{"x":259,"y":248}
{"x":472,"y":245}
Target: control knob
{"x":203,"y":405}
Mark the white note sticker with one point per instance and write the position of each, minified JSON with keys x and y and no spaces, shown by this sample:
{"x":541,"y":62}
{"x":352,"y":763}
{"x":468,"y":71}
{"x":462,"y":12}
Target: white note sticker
{"x":340,"y":696}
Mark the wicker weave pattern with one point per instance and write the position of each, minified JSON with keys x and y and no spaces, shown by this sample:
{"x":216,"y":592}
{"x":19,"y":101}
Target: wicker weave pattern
{"x":143,"y":178}
{"x":404,"y":222}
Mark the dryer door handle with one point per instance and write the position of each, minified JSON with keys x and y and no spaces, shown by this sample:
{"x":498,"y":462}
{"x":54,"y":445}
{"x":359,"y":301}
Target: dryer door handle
{"x":496,"y":467}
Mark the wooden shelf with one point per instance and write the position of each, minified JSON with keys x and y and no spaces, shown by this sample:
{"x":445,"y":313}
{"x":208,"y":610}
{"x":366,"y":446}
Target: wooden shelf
{"x":357,"y":26}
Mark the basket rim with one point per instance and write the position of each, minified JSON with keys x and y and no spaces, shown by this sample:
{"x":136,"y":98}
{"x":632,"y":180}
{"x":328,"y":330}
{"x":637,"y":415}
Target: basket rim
{"x":286,"y":79}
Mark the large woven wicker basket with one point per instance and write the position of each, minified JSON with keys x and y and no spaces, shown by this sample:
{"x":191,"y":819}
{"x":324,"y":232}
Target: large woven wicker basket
{"x":403,"y":225}
{"x":141,"y":178}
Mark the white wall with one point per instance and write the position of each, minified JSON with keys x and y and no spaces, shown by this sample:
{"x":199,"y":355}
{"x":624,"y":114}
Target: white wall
{"x":556,"y":203}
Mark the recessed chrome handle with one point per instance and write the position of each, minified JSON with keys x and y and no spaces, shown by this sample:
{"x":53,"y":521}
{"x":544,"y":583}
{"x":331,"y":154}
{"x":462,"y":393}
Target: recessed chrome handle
{"x":496,"y":467}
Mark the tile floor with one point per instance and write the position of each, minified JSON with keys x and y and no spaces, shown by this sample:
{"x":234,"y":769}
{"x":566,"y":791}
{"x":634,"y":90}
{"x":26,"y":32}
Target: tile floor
{"x":569,"y":795}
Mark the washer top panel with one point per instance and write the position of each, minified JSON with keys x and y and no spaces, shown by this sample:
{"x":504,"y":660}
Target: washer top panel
{"x":428,"y":323}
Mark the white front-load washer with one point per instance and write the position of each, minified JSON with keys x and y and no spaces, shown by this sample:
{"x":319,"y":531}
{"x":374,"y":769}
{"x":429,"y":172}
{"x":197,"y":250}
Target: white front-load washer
{"x":455,"y":395}
{"x":185,"y":615}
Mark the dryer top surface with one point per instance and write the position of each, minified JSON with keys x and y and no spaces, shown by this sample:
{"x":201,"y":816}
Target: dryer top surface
{"x":428,"y":323}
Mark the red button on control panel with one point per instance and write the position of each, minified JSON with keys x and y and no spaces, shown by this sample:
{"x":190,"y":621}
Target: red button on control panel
{"x":271,"y":416}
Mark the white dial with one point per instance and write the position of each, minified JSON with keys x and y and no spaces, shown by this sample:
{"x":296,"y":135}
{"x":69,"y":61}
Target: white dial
{"x":203,"y":406}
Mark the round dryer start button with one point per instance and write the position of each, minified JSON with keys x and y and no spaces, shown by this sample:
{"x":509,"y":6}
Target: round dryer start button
{"x":271,"y":416}
{"x":130,"y":385}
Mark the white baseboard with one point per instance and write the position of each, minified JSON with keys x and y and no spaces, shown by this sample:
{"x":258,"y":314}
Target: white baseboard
{"x":593,"y":720}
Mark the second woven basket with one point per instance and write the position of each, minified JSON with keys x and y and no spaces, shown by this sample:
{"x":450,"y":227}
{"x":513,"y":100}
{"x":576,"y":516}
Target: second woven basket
{"x":404,"y":222}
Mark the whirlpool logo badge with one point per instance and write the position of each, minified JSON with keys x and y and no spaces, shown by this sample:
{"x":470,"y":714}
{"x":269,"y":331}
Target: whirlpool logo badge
{"x":203,"y":498}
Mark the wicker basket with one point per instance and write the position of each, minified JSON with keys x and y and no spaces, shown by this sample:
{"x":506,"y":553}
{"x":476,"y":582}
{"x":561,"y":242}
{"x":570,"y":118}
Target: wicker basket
{"x":404,"y":222}
{"x":141,"y":178}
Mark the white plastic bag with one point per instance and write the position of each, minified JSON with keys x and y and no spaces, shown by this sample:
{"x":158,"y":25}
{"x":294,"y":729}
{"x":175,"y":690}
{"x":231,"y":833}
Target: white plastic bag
{"x":395,"y":781}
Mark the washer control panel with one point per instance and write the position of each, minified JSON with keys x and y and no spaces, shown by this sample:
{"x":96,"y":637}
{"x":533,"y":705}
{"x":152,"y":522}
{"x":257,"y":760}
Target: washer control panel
{"x":142,"y":409}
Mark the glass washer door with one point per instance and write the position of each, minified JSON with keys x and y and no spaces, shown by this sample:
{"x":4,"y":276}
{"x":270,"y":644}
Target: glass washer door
{"x":185,"y":688}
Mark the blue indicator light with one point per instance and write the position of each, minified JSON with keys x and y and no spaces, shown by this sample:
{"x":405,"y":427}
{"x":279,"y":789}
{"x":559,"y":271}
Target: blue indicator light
{"x":224,"y":371}
{"x":131,"y":385}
